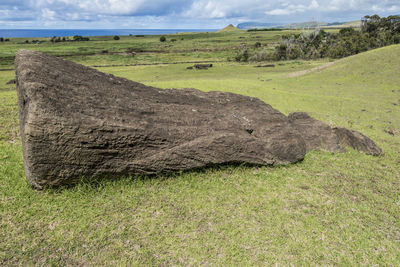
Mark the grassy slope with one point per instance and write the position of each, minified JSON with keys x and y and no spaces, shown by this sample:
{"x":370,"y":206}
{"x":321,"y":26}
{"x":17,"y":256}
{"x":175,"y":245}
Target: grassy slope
{"x":229,"y":28}
{"x":329,"y":209}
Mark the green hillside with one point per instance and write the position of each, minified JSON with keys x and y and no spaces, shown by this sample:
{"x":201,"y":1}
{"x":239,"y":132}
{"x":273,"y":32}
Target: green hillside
{"x":355,"y":24}
{"x":330,"y":209}
{"x":229,"y":28}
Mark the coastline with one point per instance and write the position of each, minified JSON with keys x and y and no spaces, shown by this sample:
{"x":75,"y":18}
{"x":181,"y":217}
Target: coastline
{"x":43,"y":33}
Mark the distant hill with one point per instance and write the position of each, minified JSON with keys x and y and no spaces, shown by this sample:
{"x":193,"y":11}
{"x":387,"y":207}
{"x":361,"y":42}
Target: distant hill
{"x":229,"y":28}
{"x":356,"y":23}
{"x":300,"y":25}
{"x":257,"y":25}
{"x":307,"y":24}
{"x":352,"y":24}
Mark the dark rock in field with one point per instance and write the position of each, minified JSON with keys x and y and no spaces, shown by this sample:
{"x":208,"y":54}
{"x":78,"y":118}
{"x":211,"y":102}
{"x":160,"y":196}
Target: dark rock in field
{"x":390,"y":132}
{"x":76,"y":121}
{"x":318,"y":134}
{"x":130,"y":52}
{"x":265,"y":66}
{"x":12,"y":81}
{"x":202,"y":66}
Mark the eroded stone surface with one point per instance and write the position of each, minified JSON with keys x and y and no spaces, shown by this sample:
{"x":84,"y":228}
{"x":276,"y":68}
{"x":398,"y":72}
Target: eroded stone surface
{"x":76,"y":121}
{"x":318,"y":134}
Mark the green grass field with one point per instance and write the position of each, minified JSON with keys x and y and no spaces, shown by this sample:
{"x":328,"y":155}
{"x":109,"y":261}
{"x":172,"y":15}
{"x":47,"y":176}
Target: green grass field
{"x":330,"y":209}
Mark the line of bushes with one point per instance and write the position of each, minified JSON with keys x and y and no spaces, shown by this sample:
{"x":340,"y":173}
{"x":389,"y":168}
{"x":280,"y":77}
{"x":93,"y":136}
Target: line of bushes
{"x":375,"y":32}
{"x":266,"y":30}
{"x":76,"y":38}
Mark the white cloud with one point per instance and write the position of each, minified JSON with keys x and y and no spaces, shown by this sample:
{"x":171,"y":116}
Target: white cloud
{"x":115,"y":7}
{"x":394,"y":8}
{"x":279,"y":12}
{"x":314,"y":4}
{"x":292,"y":9}
{"x":179,"y":13}
{"x":48,"y":14}
{"x":206,"y":9}
{"x":213,"y":9}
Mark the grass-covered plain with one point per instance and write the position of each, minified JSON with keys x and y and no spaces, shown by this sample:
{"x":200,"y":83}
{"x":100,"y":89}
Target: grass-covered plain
{"x":330,"y":209}
{"x":149,"y":49}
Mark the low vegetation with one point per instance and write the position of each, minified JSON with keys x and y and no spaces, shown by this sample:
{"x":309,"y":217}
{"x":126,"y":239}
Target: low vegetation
{"x":266,"y":30}
{"x":375,"y":32}
{"x":330,"y":209}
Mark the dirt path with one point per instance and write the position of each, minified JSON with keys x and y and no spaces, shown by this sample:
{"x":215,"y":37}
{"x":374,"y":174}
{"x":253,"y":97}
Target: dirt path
{"x":304,"y":72}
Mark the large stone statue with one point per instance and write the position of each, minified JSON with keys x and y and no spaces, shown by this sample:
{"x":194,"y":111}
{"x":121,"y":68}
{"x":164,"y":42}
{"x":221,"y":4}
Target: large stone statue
{"x":76,"y":121}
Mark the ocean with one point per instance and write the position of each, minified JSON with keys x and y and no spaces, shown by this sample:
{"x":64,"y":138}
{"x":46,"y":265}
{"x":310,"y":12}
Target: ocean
{"x":10,"y":33}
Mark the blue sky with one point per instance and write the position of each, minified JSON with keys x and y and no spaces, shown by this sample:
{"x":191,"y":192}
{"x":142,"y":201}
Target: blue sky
{"x":206,"y":14}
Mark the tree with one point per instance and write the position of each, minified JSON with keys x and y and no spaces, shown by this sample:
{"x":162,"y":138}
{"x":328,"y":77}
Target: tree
{"x":280,"y":52}
{"x":347,"y":31}
{"x":80,"y":38}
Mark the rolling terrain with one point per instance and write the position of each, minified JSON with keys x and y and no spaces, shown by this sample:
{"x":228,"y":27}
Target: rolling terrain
{"x":330,"y":209}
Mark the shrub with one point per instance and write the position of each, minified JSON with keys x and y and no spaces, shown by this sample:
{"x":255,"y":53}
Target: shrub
{"x":280,"y":52}
{"x":294,"y":53}
{"x":116,"y":37}
{"x":375,"y":32}
{"x":55,"y":39}
{"x":265,"y":30}
{"x":263,"y":55}
{"x":78,"y":38}
{"x":347,"y":31}
{"x":163,"y":39}
{"x":242,"y":55}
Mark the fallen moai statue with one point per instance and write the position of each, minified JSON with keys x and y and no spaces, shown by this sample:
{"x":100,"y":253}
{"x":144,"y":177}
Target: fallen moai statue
{"x":200,"y":66}
{"x":77,"y":121}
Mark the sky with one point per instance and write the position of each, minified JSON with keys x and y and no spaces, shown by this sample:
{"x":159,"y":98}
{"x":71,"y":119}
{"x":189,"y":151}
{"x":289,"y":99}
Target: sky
{"x":181,"y":14}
